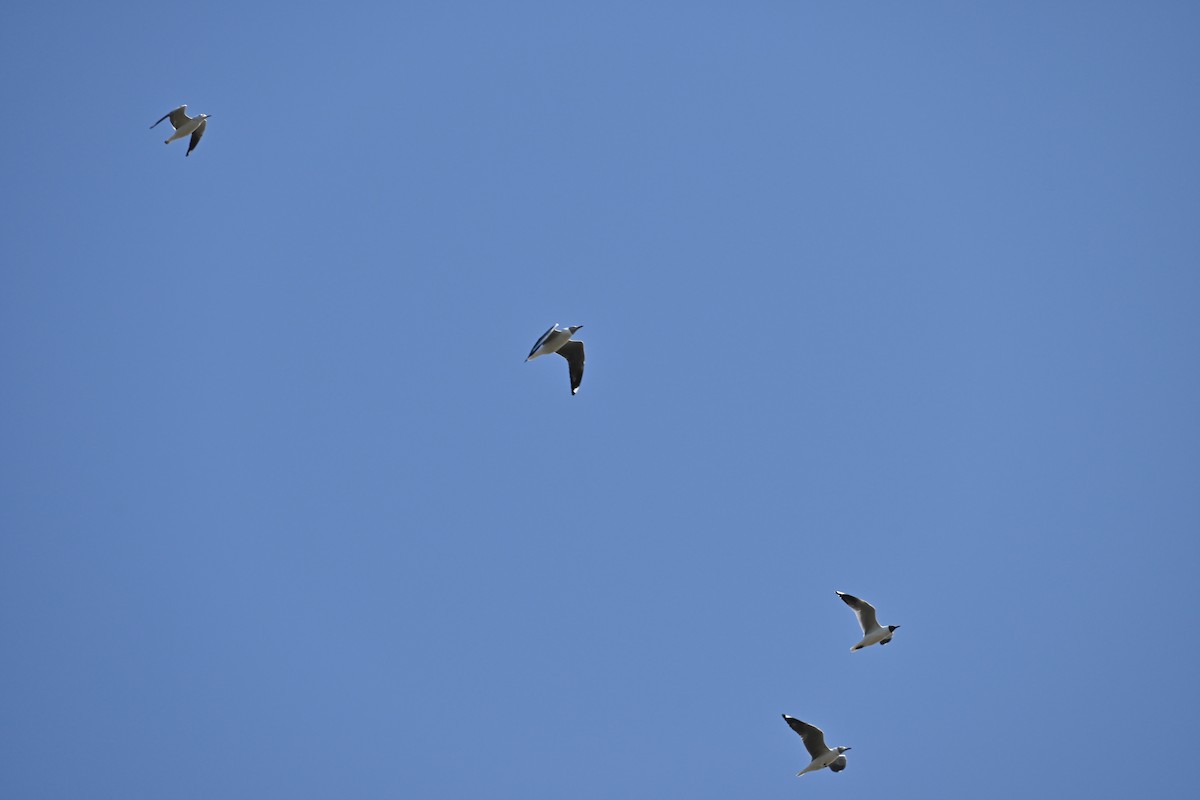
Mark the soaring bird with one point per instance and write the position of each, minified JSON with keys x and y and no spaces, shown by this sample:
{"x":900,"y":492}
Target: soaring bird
{"x":814,"y":741}
{"x":873,"y":632}
{"x":184,"y":125}
{"x":558,"y":340}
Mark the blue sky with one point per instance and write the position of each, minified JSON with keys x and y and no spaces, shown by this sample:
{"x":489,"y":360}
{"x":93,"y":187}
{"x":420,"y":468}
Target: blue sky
{"x":893,"y":298}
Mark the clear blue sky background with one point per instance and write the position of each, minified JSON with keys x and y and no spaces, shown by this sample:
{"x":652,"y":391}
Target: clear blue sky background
{"x":893,"y":298}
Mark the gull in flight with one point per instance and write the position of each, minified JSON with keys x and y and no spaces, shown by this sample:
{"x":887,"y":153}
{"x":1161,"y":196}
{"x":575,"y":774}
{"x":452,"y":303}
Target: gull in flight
{"x":184,"y":125}
{"x":558,"y":340}
{"x":814,"y":741}
{"x":873,"y":632}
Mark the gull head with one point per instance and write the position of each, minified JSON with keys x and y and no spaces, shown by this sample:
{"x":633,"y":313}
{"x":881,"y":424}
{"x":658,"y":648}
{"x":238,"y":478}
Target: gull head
{"x":893,"y":627}
{"x":841,"y":749}
{"x":574,"y":328}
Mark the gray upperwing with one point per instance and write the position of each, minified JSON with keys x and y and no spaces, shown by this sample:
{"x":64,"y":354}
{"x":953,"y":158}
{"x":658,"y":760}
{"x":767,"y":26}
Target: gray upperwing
{"x":196,"y":134}
{"x":572,"y":351}
{"x":838,"y":764}
{"x":178,"y":117}
{"x":814,"y":737}
{"x":542,"y":340}
{"x":863,"y":610}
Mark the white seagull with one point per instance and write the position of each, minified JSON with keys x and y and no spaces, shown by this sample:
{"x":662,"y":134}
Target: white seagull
{"x":184,"y":125}
{"x":873,"y":632}
{"x":559,"y":341}
{"x":814,"y":740}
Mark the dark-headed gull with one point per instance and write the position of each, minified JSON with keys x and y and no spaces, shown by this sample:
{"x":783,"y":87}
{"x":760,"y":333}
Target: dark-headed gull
{"x":184,"y":125}
{"x":873,"y":632}
{"x":814,"y":741}
{"x":559,"y":341}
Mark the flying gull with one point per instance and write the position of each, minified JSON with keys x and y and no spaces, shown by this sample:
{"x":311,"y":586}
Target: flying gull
{"x":184,"y":125}
{"x":559,"y":341}
{"x":814,"y":741}
{"x":873,"y":632}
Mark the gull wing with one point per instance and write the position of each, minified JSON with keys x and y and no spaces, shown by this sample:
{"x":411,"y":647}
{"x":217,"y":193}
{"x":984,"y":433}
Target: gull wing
{"x":814,"y":737}
{"x":572,"y":351}
{"x":838,"y":764}
{"x":542,"y":340}
{"x":196,"y":134}
{"x":178,"y":117}
{"x":863,"y":610}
